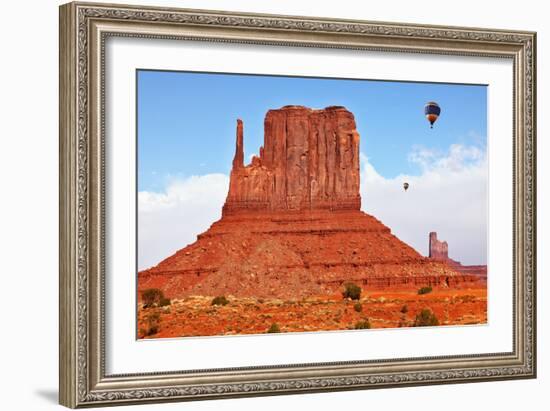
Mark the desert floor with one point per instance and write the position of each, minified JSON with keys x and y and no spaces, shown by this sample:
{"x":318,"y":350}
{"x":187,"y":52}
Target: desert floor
{"x":197,"y":316}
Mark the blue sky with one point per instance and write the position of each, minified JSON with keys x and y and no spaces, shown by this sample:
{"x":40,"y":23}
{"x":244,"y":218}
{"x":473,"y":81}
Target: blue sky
{"x":186,"y":121}
{"x":186,"y":143}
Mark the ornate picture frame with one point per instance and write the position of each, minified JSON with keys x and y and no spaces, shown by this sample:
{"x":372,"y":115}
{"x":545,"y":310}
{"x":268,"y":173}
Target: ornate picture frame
{"x":84,"y":29}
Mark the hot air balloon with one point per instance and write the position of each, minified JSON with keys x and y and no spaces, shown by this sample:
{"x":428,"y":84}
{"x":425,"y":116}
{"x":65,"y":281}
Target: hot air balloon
{"x":432,"y":111}
{"x":406,"y":186}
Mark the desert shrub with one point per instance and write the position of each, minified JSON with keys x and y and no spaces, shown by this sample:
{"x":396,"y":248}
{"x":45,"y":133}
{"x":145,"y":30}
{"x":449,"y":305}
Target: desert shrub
{"x":358,"y":307}
{"x":426,"y":318}
{"x":425,"y":290}
{"x":220,"y":300}
{"x":154,"y":317}
{"x":362,"y":325}
{"x":153,"y":323}
{"x":153,"y":329}
{"x":274,"y":328}
{"x":164,"y":302}
{"x":151,"y":297}
{"x":405,"y":309}
{"x":352,"y":291}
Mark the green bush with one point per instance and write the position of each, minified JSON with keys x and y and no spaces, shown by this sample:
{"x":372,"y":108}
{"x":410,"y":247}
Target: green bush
{"x":426,"y":318}
{"x":352,"y":291}
{"x":358,"y":307}
{"x":405,"y":309}
{"x":152,"y":297}
{"x":425,"y":290}
{"x":274,"y":329}
{"x":164,"y":302}
{"x":362,"y":325}
{"x":220,"y":300}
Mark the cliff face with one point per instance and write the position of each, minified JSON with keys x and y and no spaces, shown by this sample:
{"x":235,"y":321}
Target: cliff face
{"x":309,"y":161}
{"x":439,"y":250}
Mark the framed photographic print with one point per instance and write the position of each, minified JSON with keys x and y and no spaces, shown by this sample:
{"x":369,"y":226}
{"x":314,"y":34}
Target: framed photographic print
{"x":259,"y":204}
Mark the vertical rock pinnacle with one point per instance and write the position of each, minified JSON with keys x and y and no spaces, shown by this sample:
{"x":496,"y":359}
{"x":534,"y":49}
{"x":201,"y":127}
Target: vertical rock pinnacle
{"x":238,"y":160}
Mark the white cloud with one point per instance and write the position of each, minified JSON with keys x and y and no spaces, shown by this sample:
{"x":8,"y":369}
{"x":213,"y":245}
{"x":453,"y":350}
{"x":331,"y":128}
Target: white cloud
{"x":450,"y":197}
{"x":457,"y":159}
{"x":170,"y":220}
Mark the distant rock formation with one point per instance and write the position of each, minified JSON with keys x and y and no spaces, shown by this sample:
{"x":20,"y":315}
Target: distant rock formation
{"x":309,"y":161}
{"x":439,"y":251}
{"x":291,"y":225}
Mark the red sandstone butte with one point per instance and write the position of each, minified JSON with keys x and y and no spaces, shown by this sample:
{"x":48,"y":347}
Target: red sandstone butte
{"x":439,"y":251}
{"x":291,"y":225}
{"x":309,"y":161}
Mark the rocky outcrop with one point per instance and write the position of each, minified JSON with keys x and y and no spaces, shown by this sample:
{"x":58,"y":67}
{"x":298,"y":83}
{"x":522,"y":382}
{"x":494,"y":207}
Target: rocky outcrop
{"x":439,"y":251}
{"x":309,"y":161}
{"x":292,"y":227}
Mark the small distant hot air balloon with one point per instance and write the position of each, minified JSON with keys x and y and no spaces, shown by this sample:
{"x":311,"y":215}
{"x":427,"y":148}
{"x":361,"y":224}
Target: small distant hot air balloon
{"x":406,"y":186}
{"x":432,"y":111}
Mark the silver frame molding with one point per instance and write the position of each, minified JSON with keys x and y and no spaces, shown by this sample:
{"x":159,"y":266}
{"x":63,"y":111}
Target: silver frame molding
{"x":84,"y":27}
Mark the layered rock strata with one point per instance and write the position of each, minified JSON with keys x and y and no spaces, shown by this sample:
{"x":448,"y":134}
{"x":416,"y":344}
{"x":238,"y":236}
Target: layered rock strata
{"x":292,"y":255}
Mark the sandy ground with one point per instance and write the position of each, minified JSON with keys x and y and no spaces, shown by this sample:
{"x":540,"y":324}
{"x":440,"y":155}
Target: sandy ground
{"x":196,"y":316}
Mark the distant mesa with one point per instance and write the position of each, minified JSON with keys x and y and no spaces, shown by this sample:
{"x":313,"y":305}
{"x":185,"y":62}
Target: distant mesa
{"x":439,"y":250}
{"x":292,"y":224}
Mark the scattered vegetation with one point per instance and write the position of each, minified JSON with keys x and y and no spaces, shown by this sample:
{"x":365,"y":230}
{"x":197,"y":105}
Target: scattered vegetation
{"x":220,"y":300}
{"x":274,"y":329}
{"x":362,"y":325}
{"x":425,"y":290}
{"x":352,"y":291}
{"x":154,"y":297}
{"x":153,"y":330}
{"x":358,"y":307}
{"x":153,"y":321}
{"x":405,"y":309}
{"x":426,"y":318}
